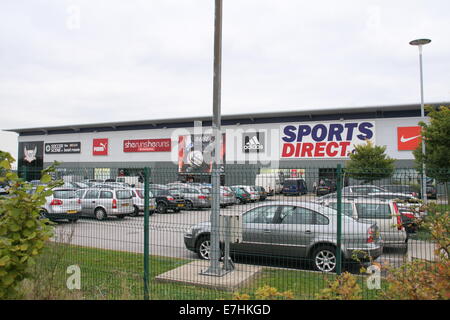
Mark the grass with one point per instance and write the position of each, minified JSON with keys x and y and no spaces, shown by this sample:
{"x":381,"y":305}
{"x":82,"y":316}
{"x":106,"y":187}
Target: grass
{"x":107,"y":274}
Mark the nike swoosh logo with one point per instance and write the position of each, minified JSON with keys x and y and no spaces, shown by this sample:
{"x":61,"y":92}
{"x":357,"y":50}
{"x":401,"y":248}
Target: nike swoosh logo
{"x":403,"y":139}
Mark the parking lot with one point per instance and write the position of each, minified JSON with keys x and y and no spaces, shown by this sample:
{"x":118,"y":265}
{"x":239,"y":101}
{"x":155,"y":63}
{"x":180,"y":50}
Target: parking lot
{"x":167,"y":232}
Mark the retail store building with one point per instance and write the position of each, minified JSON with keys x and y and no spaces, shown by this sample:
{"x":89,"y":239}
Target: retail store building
{"x":306,"y":142}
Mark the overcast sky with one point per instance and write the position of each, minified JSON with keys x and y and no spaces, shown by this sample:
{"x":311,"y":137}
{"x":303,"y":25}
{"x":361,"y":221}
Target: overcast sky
{"x":84,"y":61}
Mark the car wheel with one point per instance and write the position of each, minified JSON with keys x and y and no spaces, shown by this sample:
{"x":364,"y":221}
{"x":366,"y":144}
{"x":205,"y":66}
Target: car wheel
{"x":324,"y":259}
{"x":135,"y":213}
{"x":42,"y":214}
{"x":161,"y":207}
{"x":100,"y":214}
{"x":203,"y":247}
{"x":189,"y":205}
{"x":239,"y":200}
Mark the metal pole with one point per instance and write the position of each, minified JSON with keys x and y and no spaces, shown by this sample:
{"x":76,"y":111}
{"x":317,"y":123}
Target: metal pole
{"x":422,"y":113}
{"x":339,"y":220}
{"x":146,"y":233}
{"x":214,"y":254}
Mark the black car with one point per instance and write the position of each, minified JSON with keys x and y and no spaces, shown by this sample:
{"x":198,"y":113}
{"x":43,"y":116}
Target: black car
{"x":262,"y":193}
{"x":431,"y":192}
{"x":165,"y":200}
{"x":325,"y":186}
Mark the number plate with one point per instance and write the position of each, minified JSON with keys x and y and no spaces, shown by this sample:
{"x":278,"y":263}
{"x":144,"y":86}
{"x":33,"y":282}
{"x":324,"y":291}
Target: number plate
{"x":180,"y":205}
{"x":124,"y":204}
{"x":72,"y":211}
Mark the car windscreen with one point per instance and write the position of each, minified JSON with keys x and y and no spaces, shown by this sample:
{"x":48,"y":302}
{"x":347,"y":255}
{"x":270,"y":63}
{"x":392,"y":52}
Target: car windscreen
{"x":123,"y":194}
{"x":65,"y":194}
{"x":290,"y":182}
{"x":373,"y":210}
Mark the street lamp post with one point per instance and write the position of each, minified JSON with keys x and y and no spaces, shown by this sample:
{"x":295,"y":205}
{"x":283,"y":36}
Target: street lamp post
{"x":419,"y":43}
{"x":214,"y":268}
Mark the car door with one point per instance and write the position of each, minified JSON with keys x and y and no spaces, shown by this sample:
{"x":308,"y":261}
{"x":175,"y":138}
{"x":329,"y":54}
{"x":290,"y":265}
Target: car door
{"x":88,"y":203}
{"x":294,"y":231}
{"x":258,"y":231}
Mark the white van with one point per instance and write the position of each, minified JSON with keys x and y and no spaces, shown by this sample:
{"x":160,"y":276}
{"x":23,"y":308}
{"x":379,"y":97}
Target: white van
{"x":269,"y":181}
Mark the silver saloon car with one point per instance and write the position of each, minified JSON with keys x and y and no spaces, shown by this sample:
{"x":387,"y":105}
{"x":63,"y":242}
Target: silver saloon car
{"x":302,"y":230}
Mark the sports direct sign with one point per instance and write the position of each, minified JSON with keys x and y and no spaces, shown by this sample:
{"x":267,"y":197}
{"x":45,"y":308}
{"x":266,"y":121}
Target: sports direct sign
{"x":324,"y":140}
{"x":147,"y":145}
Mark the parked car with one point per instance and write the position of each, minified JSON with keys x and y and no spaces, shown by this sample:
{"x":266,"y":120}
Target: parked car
{"x":241,"y":195}
{"x":294,"y":186}
{"x":325,"y":186}
{"x":194,"y":197}
{"x":404,"y":201}
{"x":254,"y":195}
{"x":296,"y":230}
{"x":139,"y":202}
{"x":385,"y":213}
{"x":63,"y":204}
{"x":431,"y":192}
{"x":402,"y":188}
{"x":102,"y":203}
{"x":227,"y":197}
{"x":111,"y":185}
{"x":4,"y":188}
{"x":262,"y":193}
{"x":361,"y":190}
{"x":165,"y":200}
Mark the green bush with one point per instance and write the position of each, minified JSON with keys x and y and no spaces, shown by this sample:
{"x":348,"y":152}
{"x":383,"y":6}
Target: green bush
{"x":23,"y":233}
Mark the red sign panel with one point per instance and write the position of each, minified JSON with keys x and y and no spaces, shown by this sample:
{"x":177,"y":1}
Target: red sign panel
{"x":100,"y":147}
{"x":408,"y":138}
{"x":147,"y":145}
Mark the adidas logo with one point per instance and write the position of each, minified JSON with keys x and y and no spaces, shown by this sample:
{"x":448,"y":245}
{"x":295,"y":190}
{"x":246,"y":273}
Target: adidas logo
{"x":253,"y":144}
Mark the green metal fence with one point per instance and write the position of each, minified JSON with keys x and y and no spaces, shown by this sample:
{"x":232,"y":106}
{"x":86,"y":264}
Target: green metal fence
{"x":145,"y":235}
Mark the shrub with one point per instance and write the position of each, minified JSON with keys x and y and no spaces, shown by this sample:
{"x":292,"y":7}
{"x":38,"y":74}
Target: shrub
{"x":344,"y":287}
{"x":22,"y":233}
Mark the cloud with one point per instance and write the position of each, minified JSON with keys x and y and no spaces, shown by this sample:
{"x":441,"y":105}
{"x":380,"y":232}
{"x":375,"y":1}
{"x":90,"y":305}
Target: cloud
{"x":80,"y":61}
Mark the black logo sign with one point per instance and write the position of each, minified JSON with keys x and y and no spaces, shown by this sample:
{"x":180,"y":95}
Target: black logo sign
{"x":62,"y":147}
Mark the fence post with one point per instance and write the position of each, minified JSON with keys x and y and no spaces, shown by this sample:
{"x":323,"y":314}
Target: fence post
{"x":146,"y":233}
{"x":339,"y":220}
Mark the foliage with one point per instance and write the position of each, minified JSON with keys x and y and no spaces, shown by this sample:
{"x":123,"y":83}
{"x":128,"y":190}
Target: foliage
{"x":437,"y":142}
{"x":344,"y":287}
{"x":265,"y":293}
{"x":22,"y":233}
{"x":422,"y":279}
{"x":369,"y":163}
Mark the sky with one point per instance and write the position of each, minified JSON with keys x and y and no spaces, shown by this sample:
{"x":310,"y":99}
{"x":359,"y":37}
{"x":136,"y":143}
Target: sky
{"x":86,"y":61}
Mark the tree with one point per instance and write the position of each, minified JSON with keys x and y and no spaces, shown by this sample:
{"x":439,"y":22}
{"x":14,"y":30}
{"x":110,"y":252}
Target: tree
{"x":436,"y":135}
{"x":369,"y":163}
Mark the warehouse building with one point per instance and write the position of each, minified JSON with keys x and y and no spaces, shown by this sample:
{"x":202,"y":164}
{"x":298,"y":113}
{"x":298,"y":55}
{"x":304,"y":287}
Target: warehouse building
{"x":308,"y":143}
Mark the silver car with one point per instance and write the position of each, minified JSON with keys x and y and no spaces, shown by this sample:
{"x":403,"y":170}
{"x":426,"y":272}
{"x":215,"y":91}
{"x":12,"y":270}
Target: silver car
{"x":139,"y":201}
{"x":64,"y":203}
{"x":194,"y":197}
{"x":102,"y":203}
{"x":295,"y":230}
{"x":385,"y":213}
{"x":227,"y":198}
